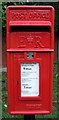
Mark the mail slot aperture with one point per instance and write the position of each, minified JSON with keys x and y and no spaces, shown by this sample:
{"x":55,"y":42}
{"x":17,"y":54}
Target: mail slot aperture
{"x":30,"y":37}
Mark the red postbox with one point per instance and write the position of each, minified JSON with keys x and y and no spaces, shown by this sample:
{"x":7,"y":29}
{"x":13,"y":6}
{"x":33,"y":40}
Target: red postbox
{"x":30,"y":51}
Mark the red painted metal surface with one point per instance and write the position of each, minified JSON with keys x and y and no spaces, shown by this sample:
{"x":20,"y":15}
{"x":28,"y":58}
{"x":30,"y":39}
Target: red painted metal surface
{"x":30,"y":28}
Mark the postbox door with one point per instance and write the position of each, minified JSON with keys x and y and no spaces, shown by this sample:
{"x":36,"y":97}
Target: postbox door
{"x":43,"y":98}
